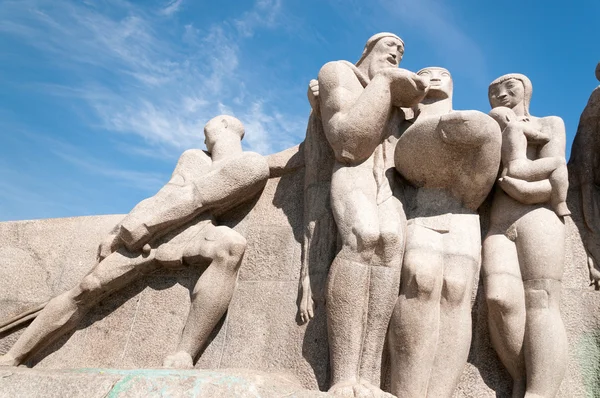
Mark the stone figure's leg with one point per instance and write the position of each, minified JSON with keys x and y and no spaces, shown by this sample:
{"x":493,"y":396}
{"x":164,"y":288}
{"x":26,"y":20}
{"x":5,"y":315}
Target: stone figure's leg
{"x":541,"y":247}
{"x":383,"y":288}
{"x":534,"y":170}
{"x":229,"y":183}
{"x":559,"y":179}
{"x":505,"y":299}
{"x":224,"y":248}
{"x":64,"y":312}
{"x":462,"y":249}
{"x":348,"y":283}
{"x":414,"y":327}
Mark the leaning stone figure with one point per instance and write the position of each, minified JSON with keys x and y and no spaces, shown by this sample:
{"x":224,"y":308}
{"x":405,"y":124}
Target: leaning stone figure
{"x":174,"y":228}
{"x":584,"y":166}
{"x":451,"y":160}
{"x":523,"y":257}
{"x":359,"y":108}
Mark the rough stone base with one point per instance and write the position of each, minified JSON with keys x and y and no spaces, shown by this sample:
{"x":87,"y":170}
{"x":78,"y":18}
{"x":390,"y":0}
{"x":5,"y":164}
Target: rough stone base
{"x":112,"y":383}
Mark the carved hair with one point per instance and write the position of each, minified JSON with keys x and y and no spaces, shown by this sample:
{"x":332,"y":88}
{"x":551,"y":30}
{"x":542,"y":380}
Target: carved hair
{"x":528,"y":88}
{"x":371,"y":43}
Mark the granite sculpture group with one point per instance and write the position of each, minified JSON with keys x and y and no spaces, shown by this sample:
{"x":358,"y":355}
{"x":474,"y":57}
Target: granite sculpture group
{"x":394,"y":182}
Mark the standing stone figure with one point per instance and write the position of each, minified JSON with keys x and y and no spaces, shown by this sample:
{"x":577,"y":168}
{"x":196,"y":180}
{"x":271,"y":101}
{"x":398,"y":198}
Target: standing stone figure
{"x":523,"y":257}
{"x":360,"y":118}
{"x":584,"y":167}
{"x":174,"y":228}
{"x":451,"y":159}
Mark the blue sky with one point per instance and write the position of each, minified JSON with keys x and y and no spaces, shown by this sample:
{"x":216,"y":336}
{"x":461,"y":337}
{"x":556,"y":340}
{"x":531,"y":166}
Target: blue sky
{"x":98,"y":98}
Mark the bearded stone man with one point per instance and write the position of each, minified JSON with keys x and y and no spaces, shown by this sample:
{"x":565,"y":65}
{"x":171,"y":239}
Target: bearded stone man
{"x":359,"y":108}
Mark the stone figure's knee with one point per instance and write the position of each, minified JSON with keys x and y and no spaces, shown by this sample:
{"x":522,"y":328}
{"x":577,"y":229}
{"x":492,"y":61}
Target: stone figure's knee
{"x":455,"y":289}
{"x":87,"y":288}
{"x":537,"y":299}
{"x":391,"y":238}
{"x":500,"y":300}
{"x":367,"y":236}
{"x":424,"y":275}
{"x":230,"y":246}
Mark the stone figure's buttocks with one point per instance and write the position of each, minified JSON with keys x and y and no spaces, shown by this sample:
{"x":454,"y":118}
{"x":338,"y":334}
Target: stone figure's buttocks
{"x":458,"y":153}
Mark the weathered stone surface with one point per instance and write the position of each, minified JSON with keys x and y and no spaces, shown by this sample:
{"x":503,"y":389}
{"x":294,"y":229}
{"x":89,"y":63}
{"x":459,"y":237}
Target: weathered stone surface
{"x":137,"y":326}
{"x":91,"y":383}
{"x":154,"y":309}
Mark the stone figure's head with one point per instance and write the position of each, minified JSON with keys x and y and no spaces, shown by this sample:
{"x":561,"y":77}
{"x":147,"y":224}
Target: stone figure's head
{"x":222,"y":128}
{"x":510,"y":90}
{"x":598,"y":71}
{"x":440,"y":82}
{"x":503,"y":115}
{"x":383,"y":50}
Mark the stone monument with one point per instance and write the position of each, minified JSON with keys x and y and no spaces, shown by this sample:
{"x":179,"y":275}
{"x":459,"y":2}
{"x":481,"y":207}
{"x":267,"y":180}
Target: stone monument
{"x":349,"y":263}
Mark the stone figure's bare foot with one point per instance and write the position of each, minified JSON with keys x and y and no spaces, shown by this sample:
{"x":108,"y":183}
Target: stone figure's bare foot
{"x":561,"y":209}
{"x":179,"y":360}
{"x":354,"y":389}
{"x":7,"y":360}
{"x":376,"y":391}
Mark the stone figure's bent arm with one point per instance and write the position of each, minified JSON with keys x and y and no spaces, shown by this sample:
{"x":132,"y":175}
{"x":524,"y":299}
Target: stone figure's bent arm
{"x":354,"y":118}
{"x":229,"y":182}
{"x":526,"y":192}
{"x":286,"y":161}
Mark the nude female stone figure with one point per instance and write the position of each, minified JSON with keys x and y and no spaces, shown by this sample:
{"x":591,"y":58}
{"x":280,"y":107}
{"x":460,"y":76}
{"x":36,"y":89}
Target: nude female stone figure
{"x":523,"y":258}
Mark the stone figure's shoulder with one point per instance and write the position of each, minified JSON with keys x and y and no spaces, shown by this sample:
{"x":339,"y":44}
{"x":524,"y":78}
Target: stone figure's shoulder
{"x":334,"y":72}
{"x":193,"y":160}
{"x":195,"y":156}
{"x":554,"y":123}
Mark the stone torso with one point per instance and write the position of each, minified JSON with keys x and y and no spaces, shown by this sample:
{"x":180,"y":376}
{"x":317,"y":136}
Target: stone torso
{"x":460,"y":173}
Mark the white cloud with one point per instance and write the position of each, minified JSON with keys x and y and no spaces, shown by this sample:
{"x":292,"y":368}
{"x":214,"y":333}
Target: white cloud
{"x":140,"y":78}
{"x":172,"y":7}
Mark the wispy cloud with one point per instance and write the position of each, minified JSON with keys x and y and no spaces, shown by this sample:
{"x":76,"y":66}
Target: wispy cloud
{"x":436,"y":20}
{"x":172,"y":7}
{"x":141,"y":77}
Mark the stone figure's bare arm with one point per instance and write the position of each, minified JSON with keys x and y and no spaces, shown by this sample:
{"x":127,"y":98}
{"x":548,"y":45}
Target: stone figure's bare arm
{"x":539,"y":191}
{"x":353,"y":117}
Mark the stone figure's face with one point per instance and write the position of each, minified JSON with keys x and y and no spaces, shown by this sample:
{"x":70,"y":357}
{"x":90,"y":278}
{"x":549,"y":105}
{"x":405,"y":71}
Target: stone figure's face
{"x":440,"y":82}
{"x":386,"y":53}
{"x":508,"y":93}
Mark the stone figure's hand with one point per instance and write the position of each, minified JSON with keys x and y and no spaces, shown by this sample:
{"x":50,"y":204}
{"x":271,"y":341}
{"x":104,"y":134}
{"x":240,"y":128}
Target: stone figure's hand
{"x":109,"y":245}
{"x":313,"y":95}
{"x":307,"y":306}
{"x":407,"y":88}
